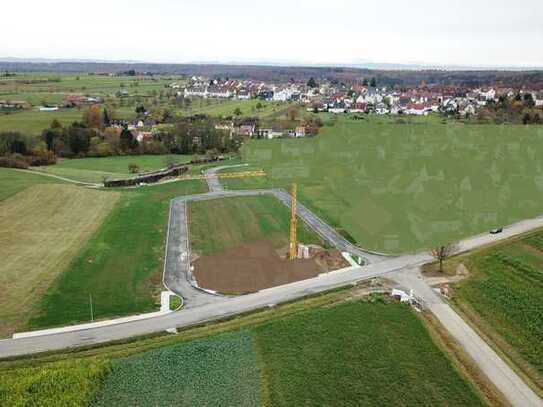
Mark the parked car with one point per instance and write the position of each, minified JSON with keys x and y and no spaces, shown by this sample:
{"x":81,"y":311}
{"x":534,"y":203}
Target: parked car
{"x":496,"y":231}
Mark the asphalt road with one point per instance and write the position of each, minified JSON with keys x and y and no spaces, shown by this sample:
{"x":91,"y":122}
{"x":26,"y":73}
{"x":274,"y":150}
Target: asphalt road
{"x":202,"y":307}
{"x":499,"y":373}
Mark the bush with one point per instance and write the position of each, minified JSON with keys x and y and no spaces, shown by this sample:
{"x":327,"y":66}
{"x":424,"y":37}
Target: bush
{"x":13,"y":161}
{"x":133,"y":168}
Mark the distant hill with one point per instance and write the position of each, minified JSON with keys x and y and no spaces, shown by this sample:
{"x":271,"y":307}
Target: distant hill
{"x":393,"y":75}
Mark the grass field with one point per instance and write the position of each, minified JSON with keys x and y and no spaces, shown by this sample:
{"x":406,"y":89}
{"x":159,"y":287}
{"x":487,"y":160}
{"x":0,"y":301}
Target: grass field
{"x":504,"y":297}
{"x":33,"y":122}
{"x":96,"y":169}
{"x":215,"y":372}
{"x":41,"y":230}
{"x":213,"y":107}
{"x":13,"y":181}
{"x":319,"y":351}
{"x":400,"y":187}
{"x":220,"y":224}
{"x":121,"y":265}
{"x":357,"y":353}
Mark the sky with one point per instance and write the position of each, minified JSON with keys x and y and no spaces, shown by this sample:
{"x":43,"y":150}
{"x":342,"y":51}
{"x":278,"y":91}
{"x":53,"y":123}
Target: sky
{"x":437,"y":32}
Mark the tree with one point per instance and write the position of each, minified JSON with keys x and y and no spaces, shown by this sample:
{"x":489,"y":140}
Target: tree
{"x":237,"y":112}
{"x":93,"y":116}
{"x":443,"y":252}
{"x":140,"y":109}
{"x":127,"y":141}
{"x":373,"y":82}
{"x":293,"y":113}
{"x":312,"y":83}
{"x":106,"y":120}
{"x":365,"y":82}
{"x":259,"y":106}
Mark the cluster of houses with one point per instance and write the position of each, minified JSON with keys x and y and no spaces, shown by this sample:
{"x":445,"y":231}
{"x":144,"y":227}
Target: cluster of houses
{"x":355,"y":99}
{"x":416,"y":101}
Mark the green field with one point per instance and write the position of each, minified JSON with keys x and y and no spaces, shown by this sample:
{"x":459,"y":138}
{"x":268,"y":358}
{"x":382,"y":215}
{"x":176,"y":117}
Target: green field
{"x":213,"y":107}
{"x":33,"y":122}
{"x":121,"y":265}
{"x":504,"y":297}
{"x":216,"y":371}
{"x":315,"y":352}
{"x":13,"y":181}
{"x":400,"y":187}
{"x":96,"y":169}
{"x":221,"y":224}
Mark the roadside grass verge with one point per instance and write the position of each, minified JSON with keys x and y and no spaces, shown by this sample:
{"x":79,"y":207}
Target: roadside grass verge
{"x":503,"y":297}
{"x":121,"y":265}
{"x":42,"y":229}
{"x":216,"y":371}
{"x":220,"y":224}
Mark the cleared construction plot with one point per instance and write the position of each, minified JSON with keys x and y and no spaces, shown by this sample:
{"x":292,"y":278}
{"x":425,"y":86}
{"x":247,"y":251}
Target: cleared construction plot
{"x":240,"y":245}
{"x":323,"y":351}
{"x":394,"y":186}
{"x":503,"y":297}
{"x":42,"y":229}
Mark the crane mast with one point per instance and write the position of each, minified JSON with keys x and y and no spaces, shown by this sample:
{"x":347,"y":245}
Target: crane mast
{"x":293,"y":248}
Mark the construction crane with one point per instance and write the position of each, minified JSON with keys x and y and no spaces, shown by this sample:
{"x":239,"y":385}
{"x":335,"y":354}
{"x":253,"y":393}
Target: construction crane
{"x":293,"y":248}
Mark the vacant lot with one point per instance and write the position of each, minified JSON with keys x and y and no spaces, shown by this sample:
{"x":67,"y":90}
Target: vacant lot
{"x":397,"y":187}
{"x":323,"y":351}
{"x":97,"y":169}
{"x":121,"y":265}
{"x":504,"y":297}
{"x":251,"y":267}
{"x":220,"y":224}
{"x":41,"y":230}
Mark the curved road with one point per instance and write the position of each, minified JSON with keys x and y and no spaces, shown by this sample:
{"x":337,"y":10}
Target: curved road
{"x":202,"y":307}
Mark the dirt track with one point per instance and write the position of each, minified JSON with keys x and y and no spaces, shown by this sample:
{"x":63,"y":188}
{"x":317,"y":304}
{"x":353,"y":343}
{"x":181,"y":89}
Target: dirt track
{"x":251,"y":267}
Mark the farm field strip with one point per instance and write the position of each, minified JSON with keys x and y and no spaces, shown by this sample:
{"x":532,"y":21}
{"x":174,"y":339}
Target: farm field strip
{"x":504,"y":296}
{"x":41,"y":230}
{"x":329,"y":358}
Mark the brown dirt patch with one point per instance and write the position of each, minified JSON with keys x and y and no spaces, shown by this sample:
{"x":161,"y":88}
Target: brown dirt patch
{"x":252,"y":267}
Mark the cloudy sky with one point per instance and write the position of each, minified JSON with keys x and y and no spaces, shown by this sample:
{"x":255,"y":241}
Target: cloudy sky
{"x":454,"y":32}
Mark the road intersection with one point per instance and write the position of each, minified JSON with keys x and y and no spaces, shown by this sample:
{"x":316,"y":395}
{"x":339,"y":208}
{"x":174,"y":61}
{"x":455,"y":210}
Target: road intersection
{"x":202,"y":307}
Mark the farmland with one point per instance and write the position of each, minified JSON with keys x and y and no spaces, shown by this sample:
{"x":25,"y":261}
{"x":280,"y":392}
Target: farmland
{"x":504,"y":298}
{"x":32,"y":122}
{"x":395,"y":186}
{"x":13,"y":181}
{"x":96,"y":169}
{"x":216,"y":371}
{"x":42,"y":228}
{"x":121,"y":265}
{"x":245,"y":362}
{"x":220,"y":224}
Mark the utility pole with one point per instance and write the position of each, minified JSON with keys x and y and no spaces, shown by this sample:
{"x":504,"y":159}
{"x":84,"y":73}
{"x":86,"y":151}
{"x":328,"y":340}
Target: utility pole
{"x":293,"y":248}
{"x":90,"y":302}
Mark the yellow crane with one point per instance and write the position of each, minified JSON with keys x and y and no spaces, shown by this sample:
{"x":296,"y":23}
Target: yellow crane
{"x":293,"y":248}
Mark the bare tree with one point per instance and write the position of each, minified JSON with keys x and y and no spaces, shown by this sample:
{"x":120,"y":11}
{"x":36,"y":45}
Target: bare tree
{"x":442,"y":253}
